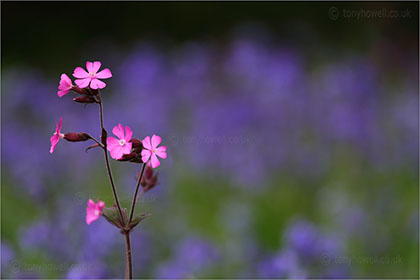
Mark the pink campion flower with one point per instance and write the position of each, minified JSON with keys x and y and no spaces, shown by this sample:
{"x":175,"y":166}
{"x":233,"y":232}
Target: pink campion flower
{"x":93,"y":210}
{"x":65,"y":85}
{"x":56,"y":136}
{"x":121,"y":146}
{"x":152,"y":151}
{"x":92,"y":76}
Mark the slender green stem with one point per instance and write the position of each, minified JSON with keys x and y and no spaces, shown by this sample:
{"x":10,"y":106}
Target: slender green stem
{"x":108,"y":167}
{"x":135,"y":193}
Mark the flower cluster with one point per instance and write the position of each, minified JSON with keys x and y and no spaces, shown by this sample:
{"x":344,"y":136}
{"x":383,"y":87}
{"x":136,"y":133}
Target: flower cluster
{"x":123,"y":147}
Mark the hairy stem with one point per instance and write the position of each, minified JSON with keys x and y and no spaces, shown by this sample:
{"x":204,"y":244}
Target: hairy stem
{"x":135,"y":193}
{"x":128,"y":268}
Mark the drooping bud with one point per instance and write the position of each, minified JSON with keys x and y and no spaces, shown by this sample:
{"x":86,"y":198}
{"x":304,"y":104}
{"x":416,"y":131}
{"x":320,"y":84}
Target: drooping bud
{"x":76,"y":137}
{"x":149,"y":179}
{"x":84,"y":99}
{"x":148,"y":172}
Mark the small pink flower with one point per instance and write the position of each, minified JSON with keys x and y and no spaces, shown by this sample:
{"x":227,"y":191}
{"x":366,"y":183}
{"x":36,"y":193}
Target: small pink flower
{"x":56,"y":136}
{"x":65,"y":85}
{"x":93,"y":211}
{"x":151,"y":150}
{"x":121,"y":146}
{"x":92,"y":78}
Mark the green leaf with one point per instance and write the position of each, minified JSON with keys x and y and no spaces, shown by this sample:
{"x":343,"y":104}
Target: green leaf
{"x":113,"y":216}
{"x":138,"y":218}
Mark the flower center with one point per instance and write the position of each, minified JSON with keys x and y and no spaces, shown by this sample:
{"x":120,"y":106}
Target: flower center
{"x":154,"y":151}
{"x":61,"y":135}
{"x":92,"y":74}
{"x":122,"y":142}
{"x":96,"y":212}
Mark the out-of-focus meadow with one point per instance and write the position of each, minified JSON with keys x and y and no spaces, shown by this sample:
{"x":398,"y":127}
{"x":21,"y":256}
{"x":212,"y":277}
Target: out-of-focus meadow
{"x":292,"y":138}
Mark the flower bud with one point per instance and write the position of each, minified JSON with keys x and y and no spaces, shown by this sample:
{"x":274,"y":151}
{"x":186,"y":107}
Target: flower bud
{"x":94,"y":91}
{"x":78,"y":90}
{"x":149,"y":179}
{"x":84,"y":99}
{"x":76,"y":137}
{"x":149,"y":172}
{"x":136,"y":145}
{"x":128,"y":157}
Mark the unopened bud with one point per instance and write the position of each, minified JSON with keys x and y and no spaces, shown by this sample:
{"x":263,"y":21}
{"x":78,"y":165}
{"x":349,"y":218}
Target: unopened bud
{"x":94,"y":91}
{"x":128,"y":157}
{"x":76,"y":137}
{"x":78,"y":90}
{"x":136,"y":144}
{"x":84,"y":99}
{"x":149,"y":172}
{"x":149,"y":179}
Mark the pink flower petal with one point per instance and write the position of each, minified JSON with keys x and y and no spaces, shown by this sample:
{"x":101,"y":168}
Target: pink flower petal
{"x":56,"y":137}
{"x":128,"y":134}
{"x":161,"y":152}
{"x":155,"y":141}
{"x":114,"y":153}
{"x":146,"y":143}
{"x":154,"y":161}
{"x":104,"y":74}
{"x":118,"y":131}
{"x":59,"y":126}
{"x":91,"y":215}
{"x":80,"y":73}
{"x":89,"y":66}
{"x":54,"y":140}
{"x":82,"y":83}
{"x":117,"y":153}
{"x":127,"y":148}
{"x":96,"y":66}
{"x":95,"y":84}
{"x":145,"y":154}
{"x":111,"y":143}
{"x":101,"y":205}
{"x":65,"y":80}
{"x":91,"y":203}
{"x":61,"y":93}
{"x":64,"y":87}
{"x":93,"y":211}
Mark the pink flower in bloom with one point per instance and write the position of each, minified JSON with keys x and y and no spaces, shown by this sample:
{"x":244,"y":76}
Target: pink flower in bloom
{"x":56,"y":136}
{"x":121,"y":146}
{"x":93,"y":211}
{"x":92,"y":76}
{"x":65,"y":85}
{"x":152,"y":151}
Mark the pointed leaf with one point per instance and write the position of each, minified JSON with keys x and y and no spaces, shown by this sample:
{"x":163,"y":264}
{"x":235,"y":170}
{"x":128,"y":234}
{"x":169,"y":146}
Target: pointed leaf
{"x":138,"y":218}
{"x":113,"y":216}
